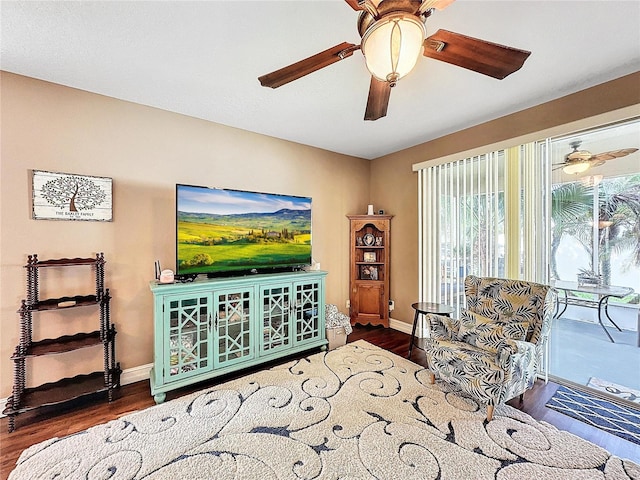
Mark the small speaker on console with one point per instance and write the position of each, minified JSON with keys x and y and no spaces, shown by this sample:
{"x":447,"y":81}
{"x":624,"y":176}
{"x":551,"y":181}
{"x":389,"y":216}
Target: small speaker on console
{"x":166,"y":276}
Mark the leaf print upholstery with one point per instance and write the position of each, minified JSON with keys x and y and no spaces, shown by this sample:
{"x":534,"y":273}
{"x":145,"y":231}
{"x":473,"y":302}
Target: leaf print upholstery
{"x":488,"y":334}
{"x":493,"y":351}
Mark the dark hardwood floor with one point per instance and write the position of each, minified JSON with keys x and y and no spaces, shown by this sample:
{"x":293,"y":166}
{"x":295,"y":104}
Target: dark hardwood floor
{"x":137,"y":396}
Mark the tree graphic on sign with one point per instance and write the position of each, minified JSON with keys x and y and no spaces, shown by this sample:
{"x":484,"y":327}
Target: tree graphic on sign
{"x":77,"y":192}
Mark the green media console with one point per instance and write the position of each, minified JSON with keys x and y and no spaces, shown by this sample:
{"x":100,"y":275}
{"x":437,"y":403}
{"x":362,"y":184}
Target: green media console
{"x":212,"y":327}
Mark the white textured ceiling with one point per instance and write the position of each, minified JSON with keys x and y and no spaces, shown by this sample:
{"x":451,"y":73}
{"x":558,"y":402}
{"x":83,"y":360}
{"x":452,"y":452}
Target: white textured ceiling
{"x":203,"y":58}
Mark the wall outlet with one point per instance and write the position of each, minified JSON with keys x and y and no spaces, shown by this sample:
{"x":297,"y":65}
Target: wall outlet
{"x":392,"y":305}
{"x":348,"y":304}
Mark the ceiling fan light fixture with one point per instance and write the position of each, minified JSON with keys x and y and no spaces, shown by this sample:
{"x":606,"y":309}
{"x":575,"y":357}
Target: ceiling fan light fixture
{"x":579,"y":155}
{"x":392,"y":46}
{"x":576,"y":168}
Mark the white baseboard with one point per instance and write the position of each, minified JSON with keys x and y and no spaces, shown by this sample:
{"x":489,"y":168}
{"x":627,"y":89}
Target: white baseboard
{"x":135,"y":374}
{"x":130,"y":375}
{"x":400,"y":326}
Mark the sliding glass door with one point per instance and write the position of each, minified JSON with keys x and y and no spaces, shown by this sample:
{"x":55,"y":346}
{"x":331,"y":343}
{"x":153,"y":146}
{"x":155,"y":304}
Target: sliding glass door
{"x":595,"y":238}
{"x":521,"y":213}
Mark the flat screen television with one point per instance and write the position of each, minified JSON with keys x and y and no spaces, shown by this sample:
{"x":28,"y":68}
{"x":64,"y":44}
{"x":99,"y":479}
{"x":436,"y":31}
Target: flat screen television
{"x":223,"y":232}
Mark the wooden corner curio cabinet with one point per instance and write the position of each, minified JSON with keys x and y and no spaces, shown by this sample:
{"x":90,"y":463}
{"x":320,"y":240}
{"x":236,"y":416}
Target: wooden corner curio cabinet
{"x":369,"y":258}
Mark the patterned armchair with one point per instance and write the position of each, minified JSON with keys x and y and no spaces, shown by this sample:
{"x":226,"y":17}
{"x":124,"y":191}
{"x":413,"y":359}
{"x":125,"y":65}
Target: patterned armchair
{"x":493,"y":351}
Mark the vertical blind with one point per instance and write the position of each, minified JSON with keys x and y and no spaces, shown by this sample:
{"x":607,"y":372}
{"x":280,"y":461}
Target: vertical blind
{"x":535,"y":211}
{"x":484,"y":215}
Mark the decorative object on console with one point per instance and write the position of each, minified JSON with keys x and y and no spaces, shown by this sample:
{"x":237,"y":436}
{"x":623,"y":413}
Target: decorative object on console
{"x":369,"y":269}
{"x":185,"y":278}
{"x":23,"y":398}
{"x":223,"y":232}
{"x":370,"y":210}
{"x":65,"y":196}
{"x":166,"y":276}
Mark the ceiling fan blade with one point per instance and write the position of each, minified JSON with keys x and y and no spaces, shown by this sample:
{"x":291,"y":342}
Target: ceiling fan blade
{"x":441,"y":4}
{"x":355,"y":5}
{"x":481,"y":56}
{"x":378,"y":100}
{"x":614,"y":154}
{"x":437,"y":4}
{"x":308,"y":65}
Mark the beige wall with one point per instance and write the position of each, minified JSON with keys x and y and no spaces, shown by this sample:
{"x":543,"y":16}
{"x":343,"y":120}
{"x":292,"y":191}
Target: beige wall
{"x":145,"y":151}
{"x":394,"y":184}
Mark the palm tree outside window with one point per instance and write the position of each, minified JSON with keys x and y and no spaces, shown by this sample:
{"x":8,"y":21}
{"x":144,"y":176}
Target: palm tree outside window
{"x":595,"y":217}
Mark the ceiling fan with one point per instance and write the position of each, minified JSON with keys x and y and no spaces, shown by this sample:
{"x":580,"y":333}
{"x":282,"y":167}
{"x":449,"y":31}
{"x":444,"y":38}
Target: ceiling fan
{"x":579,"y":161}
{"x":393,"y":38}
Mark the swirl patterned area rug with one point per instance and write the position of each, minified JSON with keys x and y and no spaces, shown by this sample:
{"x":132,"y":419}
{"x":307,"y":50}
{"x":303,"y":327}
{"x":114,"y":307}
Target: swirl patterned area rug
{"x":358,"y":412}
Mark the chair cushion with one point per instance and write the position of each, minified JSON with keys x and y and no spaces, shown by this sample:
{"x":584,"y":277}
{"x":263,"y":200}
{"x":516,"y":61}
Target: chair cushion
{"x":505,"y":299}
{"x":472,"y":369}
{"x":489,"y":334}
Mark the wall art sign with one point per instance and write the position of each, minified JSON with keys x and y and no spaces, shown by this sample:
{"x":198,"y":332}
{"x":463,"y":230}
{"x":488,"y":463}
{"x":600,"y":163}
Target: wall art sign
{"x":64,"y":196}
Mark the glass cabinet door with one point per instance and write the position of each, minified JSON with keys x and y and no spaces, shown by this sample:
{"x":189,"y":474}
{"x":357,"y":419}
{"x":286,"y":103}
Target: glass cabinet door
{"x":276,"y":315}
{"x":307,"y":312}
{"x":233,"y":326}
{"x":188,"y":350}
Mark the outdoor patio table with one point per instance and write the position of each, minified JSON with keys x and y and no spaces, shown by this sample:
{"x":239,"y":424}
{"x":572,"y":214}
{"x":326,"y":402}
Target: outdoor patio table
{"x":604,"y":292}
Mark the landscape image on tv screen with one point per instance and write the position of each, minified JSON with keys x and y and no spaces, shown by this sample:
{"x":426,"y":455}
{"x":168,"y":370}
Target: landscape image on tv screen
{"x":222,"y":231}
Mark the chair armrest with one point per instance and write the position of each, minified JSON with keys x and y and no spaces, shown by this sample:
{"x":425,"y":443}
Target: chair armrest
{"x":518,"y":360}
{"x":512,"y":352}
{"x":442,"y":327}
